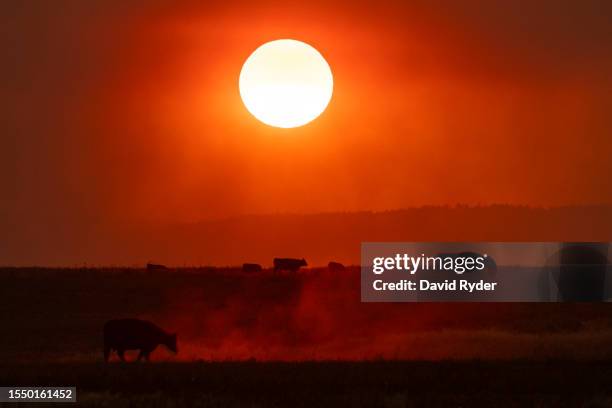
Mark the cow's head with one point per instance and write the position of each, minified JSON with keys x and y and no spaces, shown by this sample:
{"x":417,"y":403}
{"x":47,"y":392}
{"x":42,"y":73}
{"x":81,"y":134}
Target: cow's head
{"x":303,"y":262}
{"x":171,"y":343}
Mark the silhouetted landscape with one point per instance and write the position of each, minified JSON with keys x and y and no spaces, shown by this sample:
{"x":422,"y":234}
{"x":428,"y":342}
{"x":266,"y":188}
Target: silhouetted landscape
{"x":186,"y":188}
{"x":327,"y":384}
{"x":316,"y":314}
{"x":245,"y":332}
{"x":318,"y":237}
{"x":243,"y":336}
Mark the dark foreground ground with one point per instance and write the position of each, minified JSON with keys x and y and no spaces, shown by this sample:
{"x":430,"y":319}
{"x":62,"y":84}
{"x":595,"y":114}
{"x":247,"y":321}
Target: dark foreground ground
{"x":466,"y":355}
{"x":326,"y":384}
{"x":221,"y":314}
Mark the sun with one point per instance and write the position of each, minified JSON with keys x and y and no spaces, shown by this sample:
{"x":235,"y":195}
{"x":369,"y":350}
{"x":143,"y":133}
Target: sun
{"x":286,"y":83}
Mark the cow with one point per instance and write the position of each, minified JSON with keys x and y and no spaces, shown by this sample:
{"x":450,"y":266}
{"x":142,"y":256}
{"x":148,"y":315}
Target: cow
{"x":288,"y":264}
{"x":251,"y":267}
{"x":156,"y":267}
{"x":335,"y":266}
{"x":135,"y":334}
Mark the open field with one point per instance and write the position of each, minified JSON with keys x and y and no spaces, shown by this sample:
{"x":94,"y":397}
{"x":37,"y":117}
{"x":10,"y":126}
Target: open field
{"x":234,"y":328}
{"x":224,"y":314}
{"x":327,"y":384}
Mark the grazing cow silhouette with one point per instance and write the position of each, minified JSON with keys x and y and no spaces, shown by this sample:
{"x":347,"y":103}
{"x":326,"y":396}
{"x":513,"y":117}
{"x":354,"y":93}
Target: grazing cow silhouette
{"x":156,"y":267}
{"x":251,"y":267}
{"x":335,"y":266}
{"x":288,"y":264}
{"x":135,"y":334}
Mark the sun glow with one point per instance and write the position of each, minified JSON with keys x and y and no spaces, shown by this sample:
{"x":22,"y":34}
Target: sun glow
{"x":286,"y":83}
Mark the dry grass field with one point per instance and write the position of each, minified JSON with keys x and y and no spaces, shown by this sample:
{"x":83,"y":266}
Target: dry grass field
{"x":296,"y":340}
{"x":327,"y":384}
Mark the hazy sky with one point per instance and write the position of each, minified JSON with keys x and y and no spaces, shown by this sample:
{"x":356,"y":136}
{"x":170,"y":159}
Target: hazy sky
{"x":117,"y":111}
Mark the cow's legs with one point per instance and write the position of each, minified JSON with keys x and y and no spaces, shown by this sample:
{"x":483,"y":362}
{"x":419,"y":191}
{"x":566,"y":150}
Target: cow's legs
{"x":120,"y":354}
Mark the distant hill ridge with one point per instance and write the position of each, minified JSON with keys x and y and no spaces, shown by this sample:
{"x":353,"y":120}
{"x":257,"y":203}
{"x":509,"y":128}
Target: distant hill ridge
{"x":325,"y":236}
{"x":320,"y":237}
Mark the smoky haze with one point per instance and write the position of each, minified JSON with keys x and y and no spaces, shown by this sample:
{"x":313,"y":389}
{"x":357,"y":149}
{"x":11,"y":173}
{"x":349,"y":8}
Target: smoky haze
{"x":129,"y":114}
{"x":319,"y":238}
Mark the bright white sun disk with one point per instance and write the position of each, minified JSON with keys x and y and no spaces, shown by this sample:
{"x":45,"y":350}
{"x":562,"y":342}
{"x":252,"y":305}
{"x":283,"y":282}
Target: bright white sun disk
{"x":286,"y":83}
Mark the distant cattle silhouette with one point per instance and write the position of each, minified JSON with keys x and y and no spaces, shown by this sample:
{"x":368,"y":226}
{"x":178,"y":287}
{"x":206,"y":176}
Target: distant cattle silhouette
{"x":135,"y":334}
{"x":288,"y":264}
{"x":335,"y":266}
{"x":156,"y":267}
{"x":251,"y":267}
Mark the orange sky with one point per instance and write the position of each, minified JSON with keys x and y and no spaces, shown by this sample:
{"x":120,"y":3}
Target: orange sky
{"x":131,"y":113}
